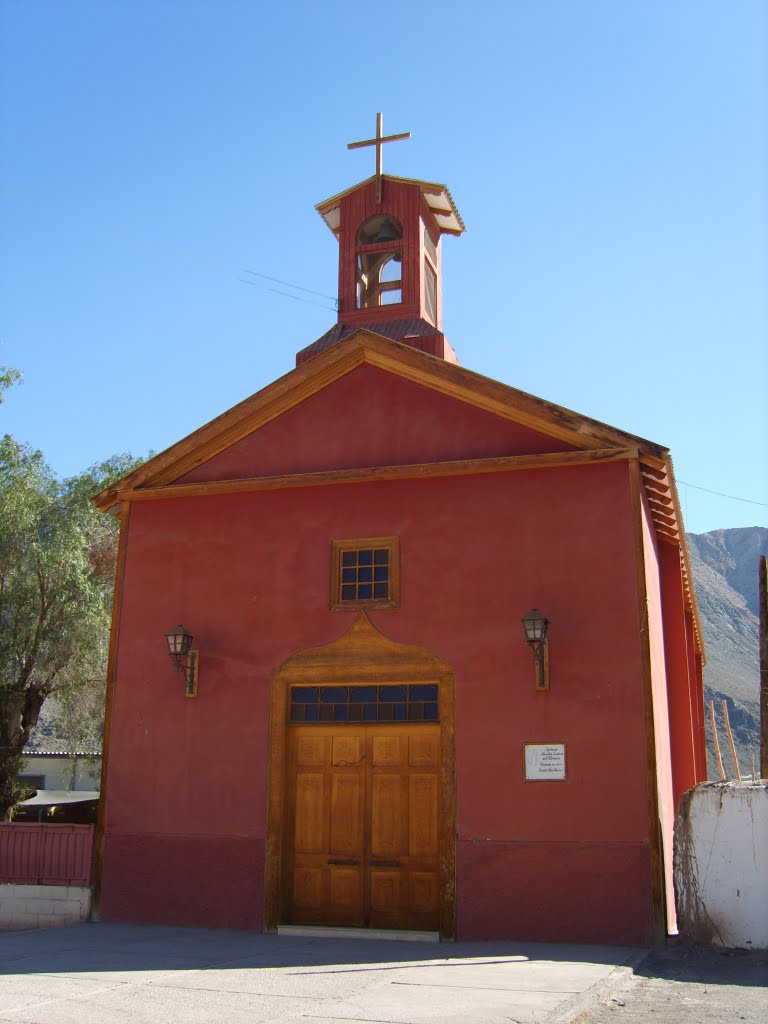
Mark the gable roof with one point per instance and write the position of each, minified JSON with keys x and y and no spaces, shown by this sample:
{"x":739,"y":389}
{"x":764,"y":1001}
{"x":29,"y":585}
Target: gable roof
{"x":437,"y":197}
{"x":366,"y":347}
{"x":363,"y":346}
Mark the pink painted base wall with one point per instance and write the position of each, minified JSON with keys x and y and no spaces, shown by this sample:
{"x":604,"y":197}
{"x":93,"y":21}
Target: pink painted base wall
{"x":192,"y":880}
{"x":521,"y":890}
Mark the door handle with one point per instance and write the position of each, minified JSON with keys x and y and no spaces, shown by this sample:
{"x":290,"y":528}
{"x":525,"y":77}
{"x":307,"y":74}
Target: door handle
{"x":346,"y":862}
{"x":385,"y":863}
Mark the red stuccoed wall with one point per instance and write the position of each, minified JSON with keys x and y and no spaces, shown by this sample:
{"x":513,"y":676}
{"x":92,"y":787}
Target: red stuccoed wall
{"x":248,"y":575}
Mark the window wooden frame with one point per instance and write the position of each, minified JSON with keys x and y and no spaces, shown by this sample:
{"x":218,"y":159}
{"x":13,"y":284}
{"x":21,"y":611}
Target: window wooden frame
{"x":338,"y":547}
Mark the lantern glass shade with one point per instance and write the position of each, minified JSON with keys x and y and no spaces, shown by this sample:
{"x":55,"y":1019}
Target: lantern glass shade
{"x":535,"y":624}
{"x":179,"y":642}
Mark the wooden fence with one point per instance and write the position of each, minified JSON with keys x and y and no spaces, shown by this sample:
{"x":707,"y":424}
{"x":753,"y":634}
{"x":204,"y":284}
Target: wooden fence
{"x":43,"y":854}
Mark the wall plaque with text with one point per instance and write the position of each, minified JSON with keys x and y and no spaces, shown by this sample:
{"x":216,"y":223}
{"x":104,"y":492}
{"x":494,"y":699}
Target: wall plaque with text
{"x":544,"y":761}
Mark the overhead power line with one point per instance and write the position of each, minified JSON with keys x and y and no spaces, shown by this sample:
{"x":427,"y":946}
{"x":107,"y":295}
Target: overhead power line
{"x":720,"y":494}
{"x":297,"y":287}
{"x":288,"y":295}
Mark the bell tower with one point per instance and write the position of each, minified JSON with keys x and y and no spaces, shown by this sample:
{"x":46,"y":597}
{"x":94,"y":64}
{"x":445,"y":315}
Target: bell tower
{"x":390,"y":233}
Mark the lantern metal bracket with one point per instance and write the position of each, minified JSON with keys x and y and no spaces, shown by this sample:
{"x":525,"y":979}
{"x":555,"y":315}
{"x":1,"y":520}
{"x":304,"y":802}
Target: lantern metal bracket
{"x":541,"y":665}
{"x":190,"y":671}
{"x":535,"y":628}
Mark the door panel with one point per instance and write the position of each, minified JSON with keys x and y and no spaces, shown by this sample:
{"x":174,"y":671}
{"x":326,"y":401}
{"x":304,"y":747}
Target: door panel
{"x":422,"y":819}
{"x":361,"y":843}
{"x":389,"y":815}
{"x":385,"y":890}
{"x":387,"y":750}
{"x":310,"y":831}
{"x":346,"y":809}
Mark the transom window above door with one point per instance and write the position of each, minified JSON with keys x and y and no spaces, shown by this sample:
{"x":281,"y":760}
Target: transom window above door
{"x":412,"y":702}
{"x":365,"y":573}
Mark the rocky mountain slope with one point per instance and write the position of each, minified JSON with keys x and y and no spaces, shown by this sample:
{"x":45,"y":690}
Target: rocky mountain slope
{"x":724,"y":565}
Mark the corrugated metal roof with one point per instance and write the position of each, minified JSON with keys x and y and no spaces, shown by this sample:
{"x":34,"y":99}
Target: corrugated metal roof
{"x":397,"y":330}
{"x":437,"y":196}
{"x":30,"y":752}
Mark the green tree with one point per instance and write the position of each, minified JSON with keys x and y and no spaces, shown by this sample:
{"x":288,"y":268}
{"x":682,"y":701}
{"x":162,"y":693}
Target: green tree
{"x":57,"y":557}
{"x":9,"y":375}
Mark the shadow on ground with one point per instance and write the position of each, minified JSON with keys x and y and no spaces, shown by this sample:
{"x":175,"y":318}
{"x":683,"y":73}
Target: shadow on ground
{"x":95,"y":948}
{"x":688,"y":963}
{"x":113,"y":947}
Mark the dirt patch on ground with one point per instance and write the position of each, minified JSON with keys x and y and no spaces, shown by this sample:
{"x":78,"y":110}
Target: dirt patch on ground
{"x":684,"y":984}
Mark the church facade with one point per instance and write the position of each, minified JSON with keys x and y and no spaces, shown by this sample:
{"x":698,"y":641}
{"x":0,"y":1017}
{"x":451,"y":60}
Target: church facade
{"x":356,"y":727}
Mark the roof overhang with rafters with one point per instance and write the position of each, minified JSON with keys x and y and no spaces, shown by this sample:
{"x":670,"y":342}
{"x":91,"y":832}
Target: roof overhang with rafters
{"x":594,"y":441}
{"x":437,"y":197}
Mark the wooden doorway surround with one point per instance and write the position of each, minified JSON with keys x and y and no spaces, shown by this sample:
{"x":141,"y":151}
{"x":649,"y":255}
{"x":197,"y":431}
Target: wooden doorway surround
{"x":362,"y":656}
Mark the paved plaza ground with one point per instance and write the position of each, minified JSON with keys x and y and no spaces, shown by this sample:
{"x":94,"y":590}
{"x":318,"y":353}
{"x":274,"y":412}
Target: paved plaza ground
{"x":124,"y":974}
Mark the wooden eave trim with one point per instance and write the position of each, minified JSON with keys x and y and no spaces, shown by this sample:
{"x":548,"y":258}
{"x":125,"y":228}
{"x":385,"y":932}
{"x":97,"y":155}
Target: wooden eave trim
{"x":225,"y":430}
{"x":654,"y":490}
{"x":493,"y":396}
{"x":667,"y":516}
{"x":668,"y":538}
{"x":666,"y":533}
{"x":364,"y":346}
{"x":374,"y":474}
{"x":654,"y":465}
{"x":661,"y":515}
{"x":685,"y":560}
{"x":663,"y":520}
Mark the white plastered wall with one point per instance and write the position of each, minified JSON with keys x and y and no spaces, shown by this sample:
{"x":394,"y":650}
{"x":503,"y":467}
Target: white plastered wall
{"x":721,"y":864}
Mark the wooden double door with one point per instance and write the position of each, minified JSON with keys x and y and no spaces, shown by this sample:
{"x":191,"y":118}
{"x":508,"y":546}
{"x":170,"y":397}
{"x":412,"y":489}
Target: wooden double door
{"x":362,"y":830}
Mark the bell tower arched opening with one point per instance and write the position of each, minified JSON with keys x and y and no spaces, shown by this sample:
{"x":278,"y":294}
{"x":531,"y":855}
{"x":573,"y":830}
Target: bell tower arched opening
{"x":379,"y":262}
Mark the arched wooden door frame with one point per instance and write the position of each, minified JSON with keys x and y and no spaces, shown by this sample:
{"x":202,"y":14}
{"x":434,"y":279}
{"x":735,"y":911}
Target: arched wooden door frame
{"x":362,"y":656}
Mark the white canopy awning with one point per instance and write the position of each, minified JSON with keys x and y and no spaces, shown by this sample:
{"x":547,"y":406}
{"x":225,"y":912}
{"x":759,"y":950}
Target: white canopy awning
{"x":51,"y":797}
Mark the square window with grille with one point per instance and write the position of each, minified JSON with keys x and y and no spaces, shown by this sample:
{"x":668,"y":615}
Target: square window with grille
{"x":365,"y":573}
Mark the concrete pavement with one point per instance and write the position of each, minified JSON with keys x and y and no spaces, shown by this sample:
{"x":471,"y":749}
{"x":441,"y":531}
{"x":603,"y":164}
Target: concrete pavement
{"x":135,"y":974}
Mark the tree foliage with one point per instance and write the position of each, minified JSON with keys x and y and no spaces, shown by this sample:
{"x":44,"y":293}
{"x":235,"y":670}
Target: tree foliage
{"x":57,"y":556}
{"x":9,"y":375}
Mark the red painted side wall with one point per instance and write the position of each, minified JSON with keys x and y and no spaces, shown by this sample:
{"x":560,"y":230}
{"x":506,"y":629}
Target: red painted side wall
{"x":371,"y":418}
{"x":680,"y":673}
{"x":659,"y":686}
{"x":248,"y":576}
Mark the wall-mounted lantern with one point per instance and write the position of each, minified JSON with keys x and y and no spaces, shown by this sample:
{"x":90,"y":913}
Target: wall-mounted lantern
{"x":536,"y":624}
{"x":179,"y":642}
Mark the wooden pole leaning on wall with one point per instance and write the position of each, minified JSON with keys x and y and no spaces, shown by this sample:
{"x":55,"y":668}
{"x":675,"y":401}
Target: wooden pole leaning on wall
{"x":762,"y":597}
{"x":716,"y":741}
{"x":730,"y":740}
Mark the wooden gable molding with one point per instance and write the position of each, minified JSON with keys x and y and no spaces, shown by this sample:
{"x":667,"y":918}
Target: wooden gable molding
{"x":364,"y":346}
{"x":377,"y":474}
{"x":363,"y":655}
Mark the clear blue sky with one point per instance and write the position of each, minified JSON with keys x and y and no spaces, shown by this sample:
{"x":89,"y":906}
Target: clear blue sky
{"x":609,"y":159}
